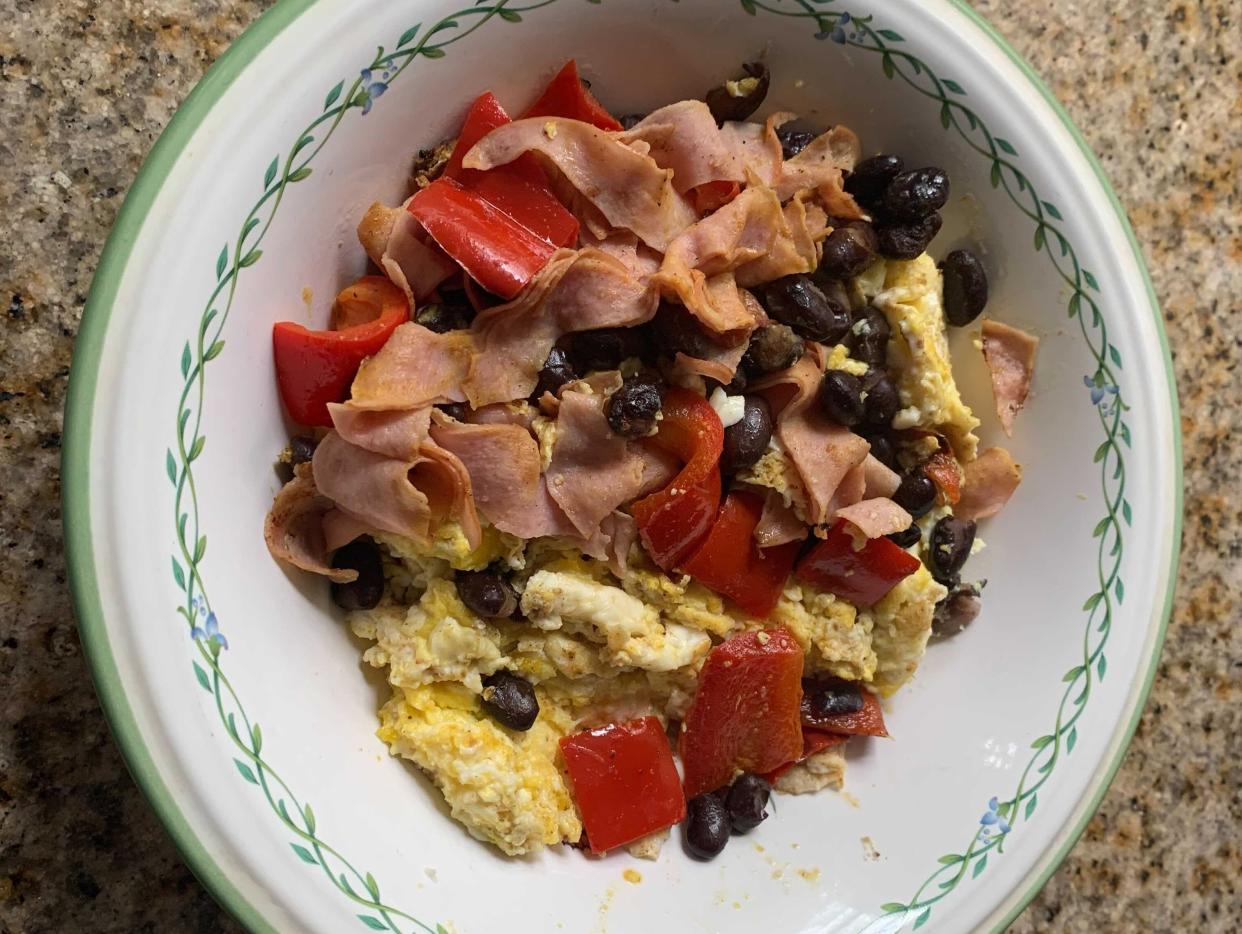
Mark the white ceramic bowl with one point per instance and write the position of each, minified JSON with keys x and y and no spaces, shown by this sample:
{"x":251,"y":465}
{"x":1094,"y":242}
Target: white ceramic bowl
{"x":250,"y":198}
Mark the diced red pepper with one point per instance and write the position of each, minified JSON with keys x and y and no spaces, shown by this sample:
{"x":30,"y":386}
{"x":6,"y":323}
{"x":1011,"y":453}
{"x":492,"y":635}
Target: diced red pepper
{"x":493,"y":248}
{"x":745,"y":713}
{"x":624,"y":781}
{"x":566,"y":96}
{"x":711,"y":196}
{"x":730,"y":562}
{"x":812,"y":742}
{"x":866,"y":722}
{"x":520,"y":189}
{"x":314,"y":368}
{"x":943,"y":470}
{"x":673,"y":521}
{"x":860,"y":576}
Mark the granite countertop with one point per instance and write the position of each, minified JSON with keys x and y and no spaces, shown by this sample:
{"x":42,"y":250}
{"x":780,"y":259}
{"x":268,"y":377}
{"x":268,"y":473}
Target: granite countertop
{"x":87,"y":88}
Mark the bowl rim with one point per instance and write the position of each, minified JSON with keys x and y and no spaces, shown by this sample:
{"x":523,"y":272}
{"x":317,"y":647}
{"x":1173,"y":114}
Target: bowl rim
{"x":75,"y":465}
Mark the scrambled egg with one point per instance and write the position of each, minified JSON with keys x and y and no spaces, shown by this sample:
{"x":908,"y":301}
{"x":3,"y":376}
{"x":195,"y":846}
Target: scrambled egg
{"x":918,"y":354}
{"x":901,"y":623}
{"x":776,"y":472}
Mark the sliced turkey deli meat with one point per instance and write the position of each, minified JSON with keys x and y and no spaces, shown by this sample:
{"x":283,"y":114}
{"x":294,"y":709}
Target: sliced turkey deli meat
{"x":989,"y":481}
{"x":647,"y":399}
{"x":1010,"y":355}
{"x":625,"y":186}
{"x":294,"y":531}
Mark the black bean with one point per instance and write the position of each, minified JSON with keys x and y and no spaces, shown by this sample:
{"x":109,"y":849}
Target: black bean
{"x":457,"y":410}
{"x":912,"y":196}
{"x":510,"y":700}
{"x":772,"y":347}
{"x":487,"y":593}
{"x":747,"y":802}
{"x":707,"y":826}
{"x":793,"y":141}
{"x":724,"y":106}
{"x":907,"y":537}
{"x":737,"y":385}
{"x":632,"y":410}
{"x":867,"y":340}
{"x":442,"y":317}
{"x":745,"y":441}
{"x":916,"y":494}
{"x":676,"y":330}
{"x":848,"y":251}
{"x":956,"y":611}
{"x":883,"y":447}
{"x":948,"y":547}
{"x":906,"y":241}
{"x":628,"y":121}
{"x":827,"y":697}
{"x":556,"y":372}
{"x":301,"y":450}
{"x":840,"y":394}
{"x":800,"y":303}
{"x":880,"y":399}
{"x":605,"y":348}
{"x":965,"y":287}
{"x":365,"y":591}
{"x":871,"y":176}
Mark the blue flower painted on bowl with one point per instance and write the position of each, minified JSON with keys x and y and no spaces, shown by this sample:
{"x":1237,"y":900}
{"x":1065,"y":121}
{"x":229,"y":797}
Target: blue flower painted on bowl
{"x":836,"y":31}
{"x":1098,"y":387}
{"x":371,"y":89}
{"x":992,"y":820}
{"x":210,"y":633}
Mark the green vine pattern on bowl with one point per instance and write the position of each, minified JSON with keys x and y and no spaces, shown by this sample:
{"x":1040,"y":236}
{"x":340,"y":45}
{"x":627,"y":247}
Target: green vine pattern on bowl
{"x":1002,"y":815}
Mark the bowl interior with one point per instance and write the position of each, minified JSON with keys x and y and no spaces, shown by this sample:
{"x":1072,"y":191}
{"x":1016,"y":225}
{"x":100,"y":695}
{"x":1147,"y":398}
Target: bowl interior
{"x":267,"y":753}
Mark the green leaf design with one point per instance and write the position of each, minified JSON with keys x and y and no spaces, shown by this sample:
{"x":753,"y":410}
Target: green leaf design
{"x":1125,"y":433}
{"x":1073,"y":673}
{"x":334,"y":94}
{"x":894,"y":37}
{"x":432,"y":51}
{"x":1092,"y":601}
{"x":304,"y":854}
{"x":250,"y":225}
{"x":197,"y":447}
{"x":170,"y":465}
{"x":207,"y":319}
{"x":213,"y":351}
{"x":981,"y":865}
{"x":921,"y":919}
{"x":1040,"y":239}
{"x":185,"y":360}
{"x":222,"y":261}
{"x":1120,"y":590}
{"x":946,"y":115}
{"x":375,"y":924}
{"x":302,"y":144}
{"x":202,"y":677}
{"x":200,"y":549}
{"x":1100,"y":527}
{"x":1071,"y":740}
{"x":1075,"y":303}
{"x":345,"y":886}
{"x":996,"y":174}
{"x":310,"y":818}
{"x":440,"y":928}
{"x":372,"y":886}
{"x":1041,"y":742}
{"x":1090,"y":280}
{"x":1030,"y":806}
{"x":1004,"y":809}
{"x":950,"y":859}
{"x":246,"y":773}
{"x":890,"y":908}
{"x":509,"y":16}
{"x":1115,"y":355}
{"x":300,"y":174}
{"x":408,"y":36}
{"x":1100,"y":452}
{"x":886,"y":63}
{"x":178,"y":574}
{"x":1125,"y":509}
{"x":952,"y":85}
{"x":250,"y":258}
{"x":749,"y":6}
{"x":270,"y":175}
{"x":1052,"y":210}
{"x":1004,"y":146}
{"x":256,"y":735}
{"x":1101,"y":666}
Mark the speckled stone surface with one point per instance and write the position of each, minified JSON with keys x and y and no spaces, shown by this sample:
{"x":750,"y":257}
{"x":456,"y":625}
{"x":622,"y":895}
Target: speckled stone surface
{"x":85,"y":89}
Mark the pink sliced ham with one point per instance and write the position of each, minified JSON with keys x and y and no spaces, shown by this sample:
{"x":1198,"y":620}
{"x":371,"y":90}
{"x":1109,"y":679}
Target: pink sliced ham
{"x":592,"y":471}
{"x":393,"y":433}
{"x":1010,"y":356}
{"x":757,"y":149}
{"x":684,"y":138}
{"x":612,"y":541}
{"x":988,"y":483}
{"x":373,"y":489}
{"x":582,"y":291}
{"x":794,"y":248}
{"x":778,"y":523}
{"x":820,"y":162}
{"x":876,"y":517}
{"x":294,"y":531}
{"x":394,"y":241}
{"x":416,"y":368}
{"x":504,"y":413}
{"x":444,"y":480}
{"x":850,"y":490}
{"x":879,"y":478}
{"x":628,"y":188}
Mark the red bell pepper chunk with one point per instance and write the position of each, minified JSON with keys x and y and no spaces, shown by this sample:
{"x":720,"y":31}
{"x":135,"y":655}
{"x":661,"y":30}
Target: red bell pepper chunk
{"x":812,"y":742}
{"x":713,"y":195}
{"x":520,"y":189}
{"x":869,"y":721}
{"x":673,"y":521}
{"x":624,"y":781}
{"x":745,"y":713}
{"x":314,"y":368}
{"x":493,"y":248}
{"x":942,"y":469}
{"x":566,"y":96}
{"x":861,"y":576}
{"x":730,"y":562}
